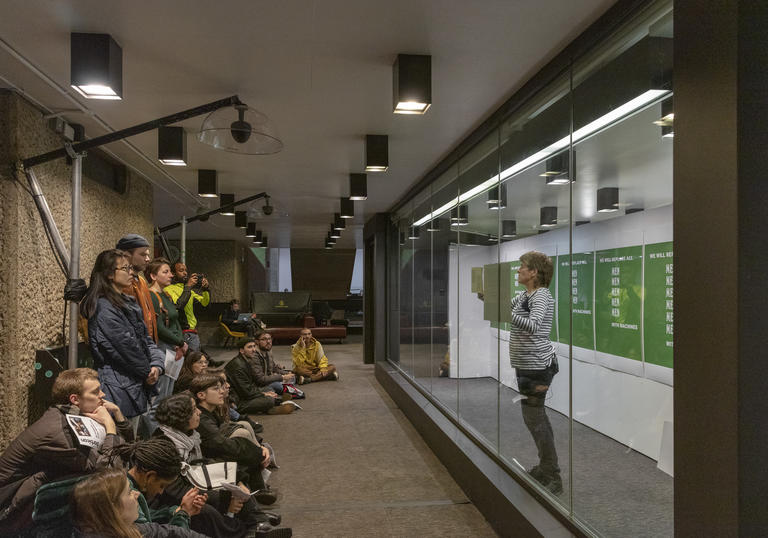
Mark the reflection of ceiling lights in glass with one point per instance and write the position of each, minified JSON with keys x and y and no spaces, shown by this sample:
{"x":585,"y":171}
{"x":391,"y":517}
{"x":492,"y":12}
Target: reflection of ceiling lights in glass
{"x":459,"y":216}
{"x":508,"y":229}
{"x":497,"y":197}
{"x":635,"y":105}
{"x":433,"y":226}
{"x":607,"y":199}
{"x":548,"y":217}
{"x":667,"y":121}
{"x":413,"y":232}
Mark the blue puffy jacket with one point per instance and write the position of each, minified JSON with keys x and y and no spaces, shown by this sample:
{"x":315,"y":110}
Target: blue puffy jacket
{"x":123,"y":353}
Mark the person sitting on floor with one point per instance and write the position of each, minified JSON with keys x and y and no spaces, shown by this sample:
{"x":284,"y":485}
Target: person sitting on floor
{"x":195,"y":363}
{"x":228,"y":411}
{"x":54,"y":447}
{"x":105,"y":504}
{"x":266,"y":372}
{"x":248,"y":394}
{"x":228,"y":441}
{"x":309,"y":360}
{"x":230,"y":319}
{"x":179,"y":418}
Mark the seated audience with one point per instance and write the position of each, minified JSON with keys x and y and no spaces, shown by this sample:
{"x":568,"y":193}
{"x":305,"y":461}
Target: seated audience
{"x":228,"y":411}
{"x":248,"y":394}
{"x":195,"y":363}
{"x":266,"y":372}
{"x":218,"y":443}
{"x":309,"y":360}
{"x":127,"y":359}
{"x":105,"y":505}
{"x":179,"y":417}
{"x":230,"y":319}
{"x":50,"y":449}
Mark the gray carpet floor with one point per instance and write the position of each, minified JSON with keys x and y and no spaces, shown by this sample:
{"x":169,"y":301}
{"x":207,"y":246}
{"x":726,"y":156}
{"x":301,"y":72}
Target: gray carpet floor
{"x":351,"y":464}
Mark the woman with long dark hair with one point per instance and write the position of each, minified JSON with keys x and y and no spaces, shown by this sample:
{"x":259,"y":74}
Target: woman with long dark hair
{"x":195,"y":363}
{"x":127,"y":359}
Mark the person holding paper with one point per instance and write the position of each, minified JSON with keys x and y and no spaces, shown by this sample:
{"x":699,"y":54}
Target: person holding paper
{"x":52,"y":448}
{"x":532,"y":355}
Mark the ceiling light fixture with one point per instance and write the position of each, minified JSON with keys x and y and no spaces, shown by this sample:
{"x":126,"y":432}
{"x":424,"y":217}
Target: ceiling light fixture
{"x":331,"y":239}
{"x":413,"y":232}
{"x":497,"y":197}
{"x":265,"y":242}
{"x":172,"y":146}
{"x":207,"y":182}
{"x":241,"y":219}
{"x":226,"y":199}
{"x":358,"y":187}
{"x":548,"y":217}
{"x":459,"y":216}
{"x":328,"y":244}
{"x":258,"y":238}
{"x":402,"y":238}
{"x":338,"y":222}
{"x":334,"y":233}
{"x":638,"y":103}
{"x":412,"y":83}
{"x":434,"y":225}
{"x":240,"y":129}
{"x":376,"y":153}
{"x":508,"y":229}
{"x":347,"y":207}
{"x":96,"y":66}
{"x":557,"y":172}
{"x":250,"y":230}
{"x":607,"y":199}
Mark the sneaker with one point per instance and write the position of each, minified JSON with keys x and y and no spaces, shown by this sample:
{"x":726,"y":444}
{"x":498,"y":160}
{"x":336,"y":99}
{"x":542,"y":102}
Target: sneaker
{"x":290,"y":403}
{"x":304,"y":379}
{"x":538,"y":475}
{"x":555,"y":485}
{"x":335,"y":376}
{"x":281,"y":409}
{"x":267,"y":530}
{"x":265,"y":496}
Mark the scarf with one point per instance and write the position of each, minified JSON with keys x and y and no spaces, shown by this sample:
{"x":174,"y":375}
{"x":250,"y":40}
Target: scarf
{"x":187,"y":445}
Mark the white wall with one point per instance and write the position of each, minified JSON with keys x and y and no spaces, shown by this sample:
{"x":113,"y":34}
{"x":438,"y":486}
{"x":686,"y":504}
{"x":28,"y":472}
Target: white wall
{"x":625,"y":399}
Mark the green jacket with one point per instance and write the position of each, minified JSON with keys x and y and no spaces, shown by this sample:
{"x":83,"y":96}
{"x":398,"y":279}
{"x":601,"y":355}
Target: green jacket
{"x":185,"y":300}
{"x":168,"y":326}
{"x":166,"y":514}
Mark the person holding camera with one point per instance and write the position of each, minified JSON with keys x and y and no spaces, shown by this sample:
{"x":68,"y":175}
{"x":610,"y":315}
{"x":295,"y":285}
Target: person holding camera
{"x":184,"y":292}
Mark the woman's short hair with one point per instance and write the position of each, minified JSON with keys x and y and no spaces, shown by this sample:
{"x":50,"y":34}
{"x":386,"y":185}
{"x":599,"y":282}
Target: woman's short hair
{"x":542,"y":264}
{"x":97,"y":507}
{"x":154,"y":266}
{"x":71,"y":382}
{"x":202,"y":382}
{"x":176,"y":411}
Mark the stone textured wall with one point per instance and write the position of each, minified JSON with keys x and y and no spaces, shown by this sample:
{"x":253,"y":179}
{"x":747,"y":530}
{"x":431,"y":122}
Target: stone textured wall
{"x":31,"y":284}
{"x":221,"y":261}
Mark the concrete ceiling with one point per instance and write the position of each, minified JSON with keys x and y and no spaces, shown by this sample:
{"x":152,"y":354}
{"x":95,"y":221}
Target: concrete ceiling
{"x":321,"y":70}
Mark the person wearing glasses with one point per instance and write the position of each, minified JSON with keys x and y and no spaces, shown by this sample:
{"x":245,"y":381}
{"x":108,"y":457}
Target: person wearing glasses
{"x":249,"y":395}
{"x":124,"y":354}
{"x":137,"y":249}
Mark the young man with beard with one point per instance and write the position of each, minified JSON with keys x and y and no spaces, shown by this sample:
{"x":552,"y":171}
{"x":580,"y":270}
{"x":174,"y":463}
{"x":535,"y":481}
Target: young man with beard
{"x":183,"y":293}
{"x":309,"y":360}
{"x":249,"y":395}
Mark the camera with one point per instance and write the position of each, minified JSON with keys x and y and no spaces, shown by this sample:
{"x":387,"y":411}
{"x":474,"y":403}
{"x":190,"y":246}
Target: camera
{"x":200,"y":277}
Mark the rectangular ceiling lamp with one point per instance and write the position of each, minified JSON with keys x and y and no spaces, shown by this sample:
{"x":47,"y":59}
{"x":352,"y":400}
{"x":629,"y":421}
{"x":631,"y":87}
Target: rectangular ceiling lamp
{"x":497,"y":197}
{"x":172,"y":146}
{"x":241,"y":219}
{"x":434,"y":225}
{"x":96,"y":66}
{"x":335,"y":234}
{"x":358,"y":187}
{"x":413,"y":232}
{"x":607,"y":199}
{"x":338,"y":222}
{"x":207,"y":182}
{"x":412,"y":84}
{"x":265,"y":242}
{"x":257,"y":239}
{"x":402,"y":238}
{"x":376,"y":153}
{"x":224,"y":200}
{"x":331,"y":239}
{"x":508,"y":229}
{"x":328,"y":244}
{"x":250,"y":230}
{"x":347,"y":208}
{"x":548,"y":217}
{"x":460,"y":215}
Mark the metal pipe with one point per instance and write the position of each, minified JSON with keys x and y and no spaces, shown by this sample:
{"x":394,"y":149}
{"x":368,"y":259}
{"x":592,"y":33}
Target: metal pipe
{"x":131,"y":131}
{"x":183,"y":244}
{"x":74,"y":259}
{"x":204,"y":216}
{"x":47,"y":217}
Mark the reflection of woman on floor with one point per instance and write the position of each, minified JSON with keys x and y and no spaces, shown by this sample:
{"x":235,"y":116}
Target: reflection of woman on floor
{"x":532,"y":355}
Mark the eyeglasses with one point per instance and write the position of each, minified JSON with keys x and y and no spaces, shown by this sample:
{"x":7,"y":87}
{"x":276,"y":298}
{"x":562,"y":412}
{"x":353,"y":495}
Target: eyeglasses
{"x":127,"y":268}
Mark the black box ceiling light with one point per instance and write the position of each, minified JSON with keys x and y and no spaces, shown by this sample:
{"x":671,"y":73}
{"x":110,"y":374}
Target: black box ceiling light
{"x":607,"y":199}
{"x":338,"y":222}
{"x":172,"y":146}
{"x":328,"y":244}
{"x":241,"y":219}
{"x":347,"y":208}
{"x":258,"y":239}
{"x":497,"y":197}
{"x":330,"y":238}
{"x":460,"y":216}
{"x":433,"y":225}
{"x":413,"y":232}
{"x":250,"y":230}
{"x":224,"y":200}
{"x":376,"y":153}
{"x":334,"y":233}
{"x":358,"y":187}
{"x":558,"y":169}
{"x":412,"y":84}
{"x":548,"y":217}
{"x":265,"y":242}
{"x":207,"y":184}
{"x":96,"y":66}
{"x":508,"y":229}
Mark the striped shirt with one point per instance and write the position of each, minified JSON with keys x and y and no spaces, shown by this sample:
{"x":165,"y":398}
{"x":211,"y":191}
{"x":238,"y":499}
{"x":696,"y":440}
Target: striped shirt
{"x":529,"y":344}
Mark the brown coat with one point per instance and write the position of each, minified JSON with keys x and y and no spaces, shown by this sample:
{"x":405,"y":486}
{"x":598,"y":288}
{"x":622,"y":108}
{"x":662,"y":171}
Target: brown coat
{"x":140,"y":290}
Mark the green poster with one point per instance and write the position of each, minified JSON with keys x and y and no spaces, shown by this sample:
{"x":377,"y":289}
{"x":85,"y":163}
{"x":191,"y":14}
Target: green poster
{"x":491,"y":292}
{"x":575,"y":290}
{"x":618,"y":303}
{"x":658,"y":311}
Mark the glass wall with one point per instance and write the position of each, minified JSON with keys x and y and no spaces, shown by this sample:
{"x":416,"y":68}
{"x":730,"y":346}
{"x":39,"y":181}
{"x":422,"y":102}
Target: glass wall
{"x":561,"y":362}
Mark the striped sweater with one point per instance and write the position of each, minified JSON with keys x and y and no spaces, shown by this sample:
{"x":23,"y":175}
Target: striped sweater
{"x":529,"y":344}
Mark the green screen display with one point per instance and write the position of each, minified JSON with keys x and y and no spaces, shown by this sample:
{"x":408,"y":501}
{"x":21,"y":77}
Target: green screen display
{"x":618,"y":301}
{"x":575,"y":289}
{"x":658,"y":311}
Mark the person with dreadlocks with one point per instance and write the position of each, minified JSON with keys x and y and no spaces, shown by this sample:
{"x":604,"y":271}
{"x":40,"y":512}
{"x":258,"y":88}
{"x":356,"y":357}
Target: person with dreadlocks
{"x":152,"y":465}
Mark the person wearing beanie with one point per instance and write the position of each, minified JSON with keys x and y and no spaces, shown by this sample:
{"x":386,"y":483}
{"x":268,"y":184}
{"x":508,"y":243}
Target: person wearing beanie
{"x":137,"y":249}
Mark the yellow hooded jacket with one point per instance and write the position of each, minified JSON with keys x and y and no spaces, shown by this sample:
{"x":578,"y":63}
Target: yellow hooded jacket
{"x":311,"y":356}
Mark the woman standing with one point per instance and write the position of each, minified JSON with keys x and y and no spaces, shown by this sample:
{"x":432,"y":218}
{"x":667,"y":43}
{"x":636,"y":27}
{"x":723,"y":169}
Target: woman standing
{"x":127,"y":359}
{"x":170,"y":338}
{"x":533,"y":356}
